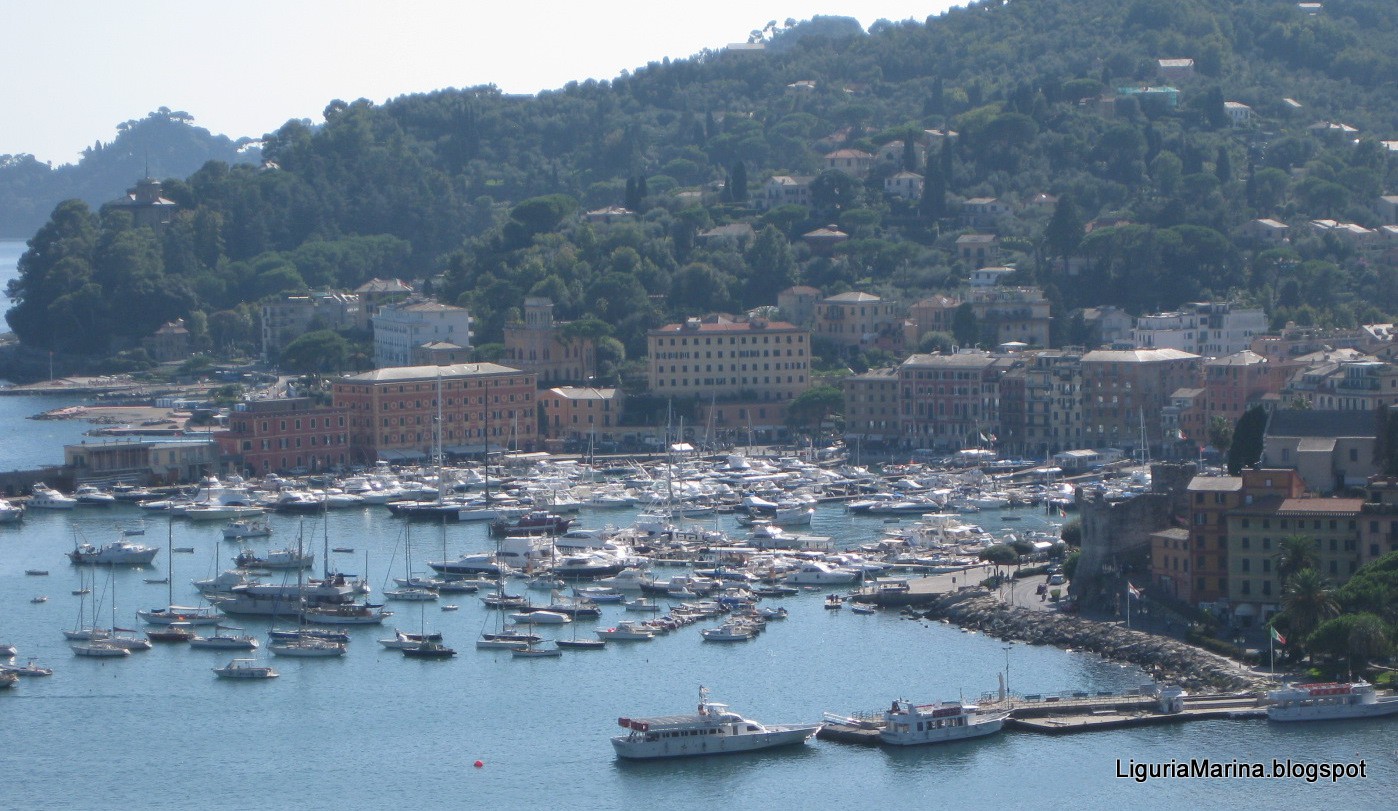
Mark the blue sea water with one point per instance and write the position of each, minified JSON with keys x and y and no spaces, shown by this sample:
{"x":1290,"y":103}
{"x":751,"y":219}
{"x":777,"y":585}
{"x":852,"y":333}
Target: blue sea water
{"x":157,"y":730}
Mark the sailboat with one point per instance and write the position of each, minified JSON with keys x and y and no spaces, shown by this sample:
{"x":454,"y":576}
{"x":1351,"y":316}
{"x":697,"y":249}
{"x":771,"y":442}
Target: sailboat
{"x":531,"y":650}
{"x":171,"y":614}
{"x":428,"y":646}
{"x":408,"y":590}
{"x":303,"y":645}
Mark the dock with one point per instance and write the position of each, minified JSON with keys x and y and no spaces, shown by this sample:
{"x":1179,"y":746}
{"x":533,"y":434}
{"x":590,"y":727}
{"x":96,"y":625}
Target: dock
{"x":1071,"y":713}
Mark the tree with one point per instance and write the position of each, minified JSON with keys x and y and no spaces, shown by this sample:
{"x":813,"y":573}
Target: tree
{"x":964,"y":325}
{"x":1296,"y":553}
{"x":811,"y":407}
{"x":1064,"y":232}
{"x":320,"y":352}
{"x":1247,"y":439}
{"x":738,"y":183}
{"x":1307,"y":602}
{"x":1220,"y":433}
{"x":1223,"y":166}
{"x":1358,"y":637}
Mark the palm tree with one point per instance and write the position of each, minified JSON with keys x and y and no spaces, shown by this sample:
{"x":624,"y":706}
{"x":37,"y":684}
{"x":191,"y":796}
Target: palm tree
{"x":1296,"y":553}
{"x":1307,"y":601}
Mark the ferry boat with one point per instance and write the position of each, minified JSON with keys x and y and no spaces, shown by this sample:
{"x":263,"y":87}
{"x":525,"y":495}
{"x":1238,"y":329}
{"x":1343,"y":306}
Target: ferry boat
{"x":908,"y":724}
{"x":1329,"y":702}
{"x":711,"y":730}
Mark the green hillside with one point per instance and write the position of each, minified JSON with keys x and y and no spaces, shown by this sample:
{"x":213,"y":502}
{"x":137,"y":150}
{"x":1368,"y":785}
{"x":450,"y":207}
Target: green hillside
{"x":487,"y":189}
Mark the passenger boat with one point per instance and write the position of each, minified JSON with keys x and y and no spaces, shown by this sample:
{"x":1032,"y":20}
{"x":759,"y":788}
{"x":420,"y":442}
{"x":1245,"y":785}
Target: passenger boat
{"x":712,"y":730}
{"x":245,"y":669}
{"x":1329,"y":702}
{"x":241,"y":528}
{"x":907,"y":724}
{"x":535,"y":522}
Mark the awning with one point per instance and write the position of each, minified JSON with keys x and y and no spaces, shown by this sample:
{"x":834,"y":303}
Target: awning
{"x":1245,"y":610}
{"x":401,"y":455}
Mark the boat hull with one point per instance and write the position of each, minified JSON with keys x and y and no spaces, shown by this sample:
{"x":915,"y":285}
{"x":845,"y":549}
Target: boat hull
{"x":1347,"y":712}
{"x":693,"y":746}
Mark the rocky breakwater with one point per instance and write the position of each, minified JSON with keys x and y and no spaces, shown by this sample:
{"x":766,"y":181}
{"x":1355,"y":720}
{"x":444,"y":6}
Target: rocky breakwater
{"x":1167,"y":660}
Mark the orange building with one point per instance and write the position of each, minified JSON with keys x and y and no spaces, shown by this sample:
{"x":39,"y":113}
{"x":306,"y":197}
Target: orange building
{"x":392,"y":412}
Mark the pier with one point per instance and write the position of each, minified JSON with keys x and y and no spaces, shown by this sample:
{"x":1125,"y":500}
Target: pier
{"x":1072,"y":713}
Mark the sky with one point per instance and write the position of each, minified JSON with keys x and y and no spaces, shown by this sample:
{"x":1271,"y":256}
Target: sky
{"x":76,"y":68}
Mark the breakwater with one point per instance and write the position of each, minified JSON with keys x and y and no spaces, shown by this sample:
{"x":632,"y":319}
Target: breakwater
{"x":1167,"y":660}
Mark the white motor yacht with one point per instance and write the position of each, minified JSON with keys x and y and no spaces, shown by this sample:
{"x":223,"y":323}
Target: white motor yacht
{"x":712,"y":730}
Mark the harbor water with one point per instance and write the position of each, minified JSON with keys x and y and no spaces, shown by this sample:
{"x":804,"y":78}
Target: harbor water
{"x":157,"y":730}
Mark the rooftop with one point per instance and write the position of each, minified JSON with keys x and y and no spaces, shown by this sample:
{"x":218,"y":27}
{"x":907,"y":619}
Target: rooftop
{"x":396,"y":374}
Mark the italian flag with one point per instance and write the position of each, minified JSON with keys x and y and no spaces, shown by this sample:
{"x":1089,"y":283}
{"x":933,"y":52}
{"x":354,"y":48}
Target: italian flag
{"x":1277,"y":637}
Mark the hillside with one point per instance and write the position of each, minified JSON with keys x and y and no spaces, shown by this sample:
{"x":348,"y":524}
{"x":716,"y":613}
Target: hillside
{"x":1153,"y":190}
{"x":165,"y":143}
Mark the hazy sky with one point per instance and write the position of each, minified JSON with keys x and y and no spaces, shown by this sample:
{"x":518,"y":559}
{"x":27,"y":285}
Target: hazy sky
{"x":74,"y":69}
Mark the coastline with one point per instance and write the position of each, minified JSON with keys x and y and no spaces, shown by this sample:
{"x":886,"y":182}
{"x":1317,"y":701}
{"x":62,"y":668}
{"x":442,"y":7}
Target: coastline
{"x":1167,"y":660}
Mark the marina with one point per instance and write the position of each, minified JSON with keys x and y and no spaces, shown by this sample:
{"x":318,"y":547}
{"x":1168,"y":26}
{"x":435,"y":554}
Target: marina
{"x":856,"y":663}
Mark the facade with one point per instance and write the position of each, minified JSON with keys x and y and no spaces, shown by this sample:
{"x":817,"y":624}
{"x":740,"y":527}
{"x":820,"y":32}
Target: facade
{"x":872,"y":406}
{"x":377,"y":292}
{"x":1052,"y":407}
{"x":853,"y":162}
{"x":782,"y":190}
{"x":279,"y":436}
{"x":950,"y":402}
{"x":142,"y":461}
{"x":1267,"y":231}
{"x":854,"y":320}
{"x":148,"y":209}
{"x":1209,"y":329}
{"x":1108,"y":325}
{"x":983,"y":212}
{"x":1125,"y":393}
{"x":392,"y":412}
{"x":286,"y":320}
{"x":1008,"y":314}
{"x":400,"y":328}
{"x":170,"y":342}
{"x":1331,"y":450}
{"x":537,"y":344}
{"x":577,"y":416}
{"x":1235,"y":383}
{"x":932,"y":314}
{"x":978,"y":250}
{"x":907,"y":185}
{"x":797,"y":305}
{"x":729,"y":358}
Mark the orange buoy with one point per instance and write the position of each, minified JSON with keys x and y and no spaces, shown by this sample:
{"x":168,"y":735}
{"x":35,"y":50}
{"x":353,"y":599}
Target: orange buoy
{"x":479,"y":764}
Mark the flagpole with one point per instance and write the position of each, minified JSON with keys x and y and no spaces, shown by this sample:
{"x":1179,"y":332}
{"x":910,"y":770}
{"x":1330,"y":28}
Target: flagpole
{"x":1272,"y":653}
{"x":1128,"y":606}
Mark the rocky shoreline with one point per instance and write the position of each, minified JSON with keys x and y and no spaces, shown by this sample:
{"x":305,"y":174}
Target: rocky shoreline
{"x":1166,"y":660}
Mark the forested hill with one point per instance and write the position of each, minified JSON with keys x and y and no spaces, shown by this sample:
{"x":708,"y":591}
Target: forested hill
{"x":488,"y":188}
{"x":165,"y":142}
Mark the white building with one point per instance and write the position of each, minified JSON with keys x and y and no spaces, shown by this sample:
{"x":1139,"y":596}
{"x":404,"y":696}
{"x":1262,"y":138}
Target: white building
{"x":400,"y":328}
{"x":1203,"y":328}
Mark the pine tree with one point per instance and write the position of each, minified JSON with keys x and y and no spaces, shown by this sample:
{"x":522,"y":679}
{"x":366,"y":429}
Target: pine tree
{"x":1223,"y":166}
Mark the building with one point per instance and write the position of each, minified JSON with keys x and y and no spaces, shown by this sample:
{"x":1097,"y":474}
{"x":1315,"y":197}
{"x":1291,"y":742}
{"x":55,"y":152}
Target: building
{"x":609,"y":215}
{"x":978,"y":250}
{"x":148,"y":209}
{"x":797,"y":305}
{"x":784,"y":190}
{"x":289,"y":318}
{"x":1125,"y":393}
{"x":1195,"y":568}
{"x":1267,"y":231}
{"x":1332,"y":450}
{"x":440,"y":353}
{"x":377,"y":292}
{"x":1174,"y":69}
{"x":393,"y":412}
{"x":983,"y":212}
{"x":872,"y":406}
{"x":737,"y":235}
{"x":950,"y":402}
{"x":541,"y":345}
{"x":729,"y":358}
{"x":853,"y":162}
{"x":576,"y":418}
{"x":1238,"y":113}
{"x":401,"y":328}
{"x":1202,"y":328}
{"x":281,"y":436}
{"x":169,"y":343}
{"x":854,"y":320}
{"x":824,"y":241}
{"x":142,"y":460}
{"x":932,"y":314}
{"x":1235,"y":383}
{"x":906,"y":185}
{"x":1046,"y":416}
{"x":1006,"y":314}
{"x":1107,"y":325}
